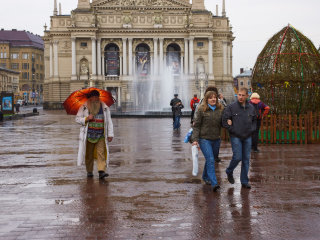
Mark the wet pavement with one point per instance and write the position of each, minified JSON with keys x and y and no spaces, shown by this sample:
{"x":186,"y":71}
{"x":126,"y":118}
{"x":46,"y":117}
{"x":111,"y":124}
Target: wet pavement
{"x":150,"y":193}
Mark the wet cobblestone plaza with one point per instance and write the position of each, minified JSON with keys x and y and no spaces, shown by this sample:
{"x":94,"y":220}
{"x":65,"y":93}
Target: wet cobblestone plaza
{"x":150,"y":193}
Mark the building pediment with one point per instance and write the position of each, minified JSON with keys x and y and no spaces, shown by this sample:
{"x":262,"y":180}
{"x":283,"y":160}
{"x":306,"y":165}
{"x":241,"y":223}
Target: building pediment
{"x":141,"y":3}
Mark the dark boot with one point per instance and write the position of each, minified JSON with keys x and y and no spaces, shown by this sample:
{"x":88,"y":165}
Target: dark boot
{"x":103,"y":174}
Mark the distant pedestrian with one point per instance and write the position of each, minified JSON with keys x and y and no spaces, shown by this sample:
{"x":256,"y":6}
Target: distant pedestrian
{"x":206,"y":134}
{"x":261,"y":111}
{"x":176,"y":106}
{"x":240,"y":120}
{"x":95,"y":132}
{"x":193,"y":104}
{"x":17,"y":106}
{"x":173,"y":102}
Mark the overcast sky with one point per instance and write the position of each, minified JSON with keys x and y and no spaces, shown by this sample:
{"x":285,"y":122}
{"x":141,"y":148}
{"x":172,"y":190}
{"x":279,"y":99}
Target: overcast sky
{"x":253,"y":21}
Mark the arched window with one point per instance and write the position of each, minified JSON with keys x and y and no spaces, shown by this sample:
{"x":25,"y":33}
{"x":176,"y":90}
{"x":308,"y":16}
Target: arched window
{"x":173,"y":58}
{"x":84,"y":67}
{"x":143,"y":59}
{"x":200,"y":66}
{"x":112,"y":60}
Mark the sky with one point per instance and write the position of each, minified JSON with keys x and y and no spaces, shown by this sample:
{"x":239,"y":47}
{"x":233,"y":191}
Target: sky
{"x":253,"y":22}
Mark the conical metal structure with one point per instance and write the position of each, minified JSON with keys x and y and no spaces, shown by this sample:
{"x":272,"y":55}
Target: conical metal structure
{"x":287,"y":73}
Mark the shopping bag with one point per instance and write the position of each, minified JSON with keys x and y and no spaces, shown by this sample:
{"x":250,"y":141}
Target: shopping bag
{"x":188,"y":136}
{"x":195,"y":153}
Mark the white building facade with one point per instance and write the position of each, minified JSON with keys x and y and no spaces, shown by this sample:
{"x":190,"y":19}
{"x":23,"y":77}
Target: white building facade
{"x":143,"y":51}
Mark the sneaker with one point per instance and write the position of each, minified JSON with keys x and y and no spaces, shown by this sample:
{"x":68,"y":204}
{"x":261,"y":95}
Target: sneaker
{"x":103,"y":174}
{"x":89,"y":174}
{"x":230,"y":178}
{"x":246,"y":185}
{"x":215,"y":188}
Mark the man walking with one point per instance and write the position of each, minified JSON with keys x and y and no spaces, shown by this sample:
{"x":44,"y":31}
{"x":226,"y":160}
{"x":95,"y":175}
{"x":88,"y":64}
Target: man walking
{"x":193,"y":104}
{"x":240,"y":120}
{"x":176,"y":106}
{"x":95,"y":133}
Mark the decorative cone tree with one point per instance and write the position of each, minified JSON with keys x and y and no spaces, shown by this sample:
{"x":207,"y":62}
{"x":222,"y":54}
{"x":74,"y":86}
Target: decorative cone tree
{"x":287,"y":73}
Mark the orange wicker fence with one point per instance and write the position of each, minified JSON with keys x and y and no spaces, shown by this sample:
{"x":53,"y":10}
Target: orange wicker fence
{"x":292,"y":129}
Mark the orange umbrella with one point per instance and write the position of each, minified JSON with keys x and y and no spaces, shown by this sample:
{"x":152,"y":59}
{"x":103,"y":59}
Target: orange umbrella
{"x":79,"y":97}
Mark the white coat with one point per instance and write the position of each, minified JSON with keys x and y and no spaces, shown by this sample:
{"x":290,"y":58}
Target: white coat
{"x":108,"y":129}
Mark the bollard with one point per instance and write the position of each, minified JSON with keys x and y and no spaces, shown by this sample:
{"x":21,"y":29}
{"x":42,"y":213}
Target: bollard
{"x":35,"y":110}
{"x":1,"y":116}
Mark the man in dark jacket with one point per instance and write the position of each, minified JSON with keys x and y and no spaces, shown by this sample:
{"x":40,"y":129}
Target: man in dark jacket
{"x":240,"y":120}
{"x":176,"y":106}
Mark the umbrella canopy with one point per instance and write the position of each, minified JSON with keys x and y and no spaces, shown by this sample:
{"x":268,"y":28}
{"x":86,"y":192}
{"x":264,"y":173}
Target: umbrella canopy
{"x":79,"y":97}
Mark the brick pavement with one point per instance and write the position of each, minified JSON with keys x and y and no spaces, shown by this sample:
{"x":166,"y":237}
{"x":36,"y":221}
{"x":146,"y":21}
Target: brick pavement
{"x":150,"y":193}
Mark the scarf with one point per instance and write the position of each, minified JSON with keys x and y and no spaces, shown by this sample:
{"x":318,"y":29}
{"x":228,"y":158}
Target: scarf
{"x":212,"y":107}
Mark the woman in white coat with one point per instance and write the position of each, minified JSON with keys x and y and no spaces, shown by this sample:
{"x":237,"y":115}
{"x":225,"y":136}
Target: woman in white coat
{"x":95,"y":132}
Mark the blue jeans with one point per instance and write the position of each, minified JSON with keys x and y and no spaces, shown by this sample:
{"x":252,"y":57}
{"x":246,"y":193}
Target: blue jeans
{"x":176,"y":123}
{"x":217,"y":150}
{"x":241,"y":149}
{"x":209,"y":149}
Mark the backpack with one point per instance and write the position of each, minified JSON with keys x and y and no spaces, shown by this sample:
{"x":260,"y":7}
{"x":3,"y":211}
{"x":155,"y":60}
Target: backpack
{"x":195,"y":104}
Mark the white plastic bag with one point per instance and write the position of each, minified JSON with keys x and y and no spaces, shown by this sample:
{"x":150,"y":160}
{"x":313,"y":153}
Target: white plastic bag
{"x":195,"y":153}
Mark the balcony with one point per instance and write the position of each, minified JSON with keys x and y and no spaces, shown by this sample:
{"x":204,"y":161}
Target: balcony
{"x":112,"y":78}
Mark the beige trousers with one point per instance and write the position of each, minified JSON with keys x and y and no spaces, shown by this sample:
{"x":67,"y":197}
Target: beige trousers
{"x":101,"y":155}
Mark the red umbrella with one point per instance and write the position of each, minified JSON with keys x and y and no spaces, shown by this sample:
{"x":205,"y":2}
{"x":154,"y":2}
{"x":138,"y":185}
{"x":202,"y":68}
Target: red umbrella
{"x":79,"y":97}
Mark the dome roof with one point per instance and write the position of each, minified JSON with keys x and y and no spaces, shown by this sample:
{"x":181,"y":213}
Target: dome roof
{"x":287,"y":73}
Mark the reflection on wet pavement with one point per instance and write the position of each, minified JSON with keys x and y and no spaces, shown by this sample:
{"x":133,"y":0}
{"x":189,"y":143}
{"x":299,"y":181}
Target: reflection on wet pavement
{"x":150,"y":193}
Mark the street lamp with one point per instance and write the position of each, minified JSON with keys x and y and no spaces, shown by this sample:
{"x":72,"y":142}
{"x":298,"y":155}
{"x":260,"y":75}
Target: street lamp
{"x":201,"y":82}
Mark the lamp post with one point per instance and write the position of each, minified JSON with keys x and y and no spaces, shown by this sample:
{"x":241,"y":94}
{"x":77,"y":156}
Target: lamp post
{"x":201,"y":82}
{"x":90,"y":81}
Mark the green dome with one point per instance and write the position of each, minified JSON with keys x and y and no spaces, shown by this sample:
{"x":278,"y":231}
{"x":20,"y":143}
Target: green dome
{"x":287,"y":73}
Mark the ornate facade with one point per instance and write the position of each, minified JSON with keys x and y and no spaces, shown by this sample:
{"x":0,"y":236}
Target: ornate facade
{"x":126,"y":45}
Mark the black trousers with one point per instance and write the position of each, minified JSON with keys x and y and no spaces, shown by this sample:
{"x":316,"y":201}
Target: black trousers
{"x":255,"y":136}
{"x":192,"y":115}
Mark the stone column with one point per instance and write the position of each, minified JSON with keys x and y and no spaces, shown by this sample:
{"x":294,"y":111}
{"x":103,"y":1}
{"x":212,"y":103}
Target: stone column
{"x":130,"y":56}
{"x":155,"y":54}
{"x":74,"y":60}
{"x":124,"y":56}
{"x":229,"y":59}
{"x":152,"y":64}
{"x":121,"y":64}
{"x":191,"y":60}
{"x":181,"y":65}
{"x":225,"y":50}
{"x":119,"y":97}
{"x":94,"y":57}
{"x":210,"y":56}
{"x":103,"y":66}
{"x":51,"y":60}
{"x":161,"y":55}
{"x":56,"y":62}
{"x":186,"y":56}
{"x":99,"y":56}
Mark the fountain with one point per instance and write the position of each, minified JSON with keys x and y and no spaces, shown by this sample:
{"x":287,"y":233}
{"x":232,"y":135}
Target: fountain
{"x":153,"y":92}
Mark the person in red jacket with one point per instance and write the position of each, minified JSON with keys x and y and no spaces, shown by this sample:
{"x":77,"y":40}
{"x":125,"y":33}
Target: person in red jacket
{"x":193,"y":104}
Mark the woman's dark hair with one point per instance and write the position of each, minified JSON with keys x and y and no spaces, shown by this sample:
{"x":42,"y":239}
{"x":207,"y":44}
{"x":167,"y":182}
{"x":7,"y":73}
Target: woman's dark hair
{"x":93,"y":93}
{"x":211,"y":88}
